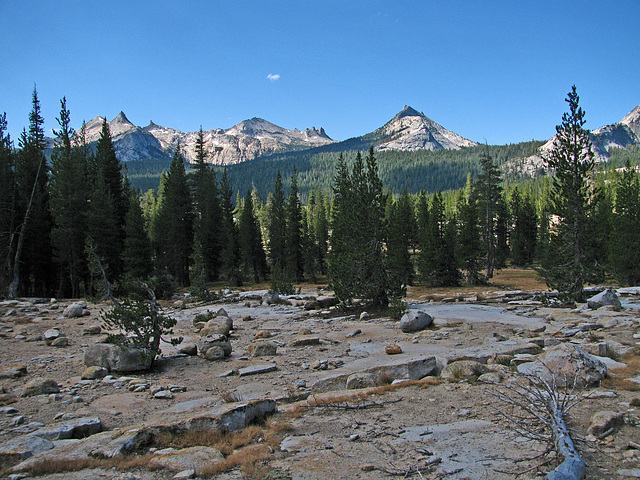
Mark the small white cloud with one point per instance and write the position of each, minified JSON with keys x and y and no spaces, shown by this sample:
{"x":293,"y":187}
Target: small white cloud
{"x":273,"y":77}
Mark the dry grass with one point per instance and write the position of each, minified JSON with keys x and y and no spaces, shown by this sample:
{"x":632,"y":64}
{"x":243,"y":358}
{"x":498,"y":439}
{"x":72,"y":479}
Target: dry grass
{"x":231,"y":397}
{"x":71,"y":465}
{"x":619,"y":377}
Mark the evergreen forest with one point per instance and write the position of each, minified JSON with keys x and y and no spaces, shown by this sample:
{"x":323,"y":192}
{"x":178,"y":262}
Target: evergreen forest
{"x":77,"y":223}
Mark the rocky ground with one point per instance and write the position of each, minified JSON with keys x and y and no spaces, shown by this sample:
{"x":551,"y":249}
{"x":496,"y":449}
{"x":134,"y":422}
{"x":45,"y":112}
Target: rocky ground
{"x":342,"y":402}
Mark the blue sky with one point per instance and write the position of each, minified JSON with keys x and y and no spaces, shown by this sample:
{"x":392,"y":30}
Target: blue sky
{"x":495,"y":71}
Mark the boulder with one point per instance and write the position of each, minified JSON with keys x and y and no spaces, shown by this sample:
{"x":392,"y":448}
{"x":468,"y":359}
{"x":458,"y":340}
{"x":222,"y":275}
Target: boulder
{"x":92,"y":330}
{"x":214,"y":353}
{"x":17,"y":449}
{"x":188,"y":349}
{"x":415,"y":321}
{"x":60,"y":342}
{"x":196,"y":458}
{"x":362,"y":380}
{"x":51,"y":335}
{"x":40,"y":386}
{"x":74,"y":310}
{"x":304,"y":342}
{"x":262,"y":349}
{"x":117,"y":358}
{"x":13,"y":371}
{"x":216,"y":340}
{"x":566,"y":365}
{"x":604,"y":420}
{"x":216,"y":326}
{"x":94,"y":372}
{"x":74,"y":428}
{"x":608,"y":297}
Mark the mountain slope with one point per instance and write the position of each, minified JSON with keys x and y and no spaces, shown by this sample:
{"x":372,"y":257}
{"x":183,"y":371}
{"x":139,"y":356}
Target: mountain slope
{"x":616,"y":135}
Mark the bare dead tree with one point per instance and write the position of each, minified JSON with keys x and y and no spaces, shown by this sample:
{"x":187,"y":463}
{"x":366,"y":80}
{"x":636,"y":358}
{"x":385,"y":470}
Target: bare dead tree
{"x":538,"y":411}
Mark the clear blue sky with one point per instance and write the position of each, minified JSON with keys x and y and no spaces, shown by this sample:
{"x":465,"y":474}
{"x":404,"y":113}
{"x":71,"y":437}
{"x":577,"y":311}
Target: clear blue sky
{"x":488,"y":70}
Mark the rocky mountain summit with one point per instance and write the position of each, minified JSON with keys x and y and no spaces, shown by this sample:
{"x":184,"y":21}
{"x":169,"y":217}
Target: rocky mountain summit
{"x":245,"y":141}
{"x":413,"y":130}
{"x":616,"y":135}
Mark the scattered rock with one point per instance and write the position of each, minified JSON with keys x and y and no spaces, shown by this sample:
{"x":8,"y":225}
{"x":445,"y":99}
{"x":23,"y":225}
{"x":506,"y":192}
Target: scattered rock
{"x":393,"y":349}
{"x":303,"y":342}
{"x":179,"y":305}
{"x":40,"y":386}
{"x":14,"y":371}
{"x":15,"y":450}
{"x":362,"y":380}
{"x":188,"y":349}
{"x":118,"y":359}
{"x":603,"y":421}
{"x":262,"y":349}
{"x":92,"y":330}
{"x":490,"y":377}
{"x":214,"y":353}
{"x":196,"y":458}
{"x":566,"y":365}
{"x":51,"y":335}
{"x":75,"y":428}
{"x":608,"y":297}
{"x":94,"y":372}
{"x":163,"y":394}
{"x":415,"y":321}
{"x":60,"y":342}
{"x":74,"y":310}
{"x":257,"y":369}
{"x":208,"y":341}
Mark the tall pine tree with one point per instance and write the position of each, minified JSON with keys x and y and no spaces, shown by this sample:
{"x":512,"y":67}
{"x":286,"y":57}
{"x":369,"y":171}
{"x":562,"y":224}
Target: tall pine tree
{"x":254,"y":261}
{"x":174,"y":225}
{"x":568,"y":264}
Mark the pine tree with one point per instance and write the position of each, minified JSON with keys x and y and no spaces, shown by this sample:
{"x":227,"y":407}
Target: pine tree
{"x":7,"y":205}
{"x":137,"y":244}
{"x":524,"y":233}
{"x":281,"y":280}
{"x":624,"y":246}
{"x":174,"y":225}
{"x":230,"y":260}
{"x":33,"y":268}
{"x":68,"y":199}
{"x":398,"y":257}
{"x":254,"y":261}
{"x":489,"y":197}
{"x":469,"y":248}
{"x":568,"y":265}
{"x":356,"y":264}
{"x":294,"y":255}
{"x":107,"y":167}
{"x":207,"y":213}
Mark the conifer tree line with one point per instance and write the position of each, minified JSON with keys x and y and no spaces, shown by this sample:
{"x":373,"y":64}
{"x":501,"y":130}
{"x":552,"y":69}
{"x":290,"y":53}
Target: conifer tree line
{"x":58,"y":217}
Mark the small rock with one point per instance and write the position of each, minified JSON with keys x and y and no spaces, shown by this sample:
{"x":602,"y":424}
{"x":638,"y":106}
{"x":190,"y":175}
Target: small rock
{"x":367,"y":468}
{"x":51,"y":335}
{"x":262,"y":334}
{"x":40,"y":386}
{"x":257,"y":369}
{"x":304,"y":331}
{"x":179,"y":305}
{"x":188,"y":349}
{"x":92,"y":330}
{"x":362,"y":380}
{"x":94,"y":372}
{"x":490,"y":377}
{"x":365,"y":316}
{"x":262,"y":349}
{"x":602,"y":421}
{"x":15,"y":371}
{"x":163,"y":394}
{"x":355,"y":333}
{"x":393,"y":349}
{"x":214,"y":353}
{"x":185,"y":474}
{"x":303,"y":342}
{"x":354,"y":437}
{"x":60,"y":342}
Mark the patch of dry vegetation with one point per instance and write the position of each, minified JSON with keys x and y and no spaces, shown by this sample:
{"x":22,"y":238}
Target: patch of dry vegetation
{"x":619,"y":378}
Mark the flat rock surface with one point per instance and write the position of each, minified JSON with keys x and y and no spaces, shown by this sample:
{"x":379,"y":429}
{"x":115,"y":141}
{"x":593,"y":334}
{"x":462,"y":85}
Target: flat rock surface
{"x":454,"y":421}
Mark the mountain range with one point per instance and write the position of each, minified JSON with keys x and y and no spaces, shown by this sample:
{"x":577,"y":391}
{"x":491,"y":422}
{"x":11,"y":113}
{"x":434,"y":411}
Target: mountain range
{"x":409,"y":130}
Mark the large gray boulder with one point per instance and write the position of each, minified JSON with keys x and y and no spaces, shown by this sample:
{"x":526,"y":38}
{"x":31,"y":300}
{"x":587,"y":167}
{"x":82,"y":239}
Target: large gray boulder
{"x":40,"y":386}
{"x":415,"y":321}
{"x":607,"y":297}
{"x":74,"y":310}
{"x":566,"y":365}
{"x":117,"y":358}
